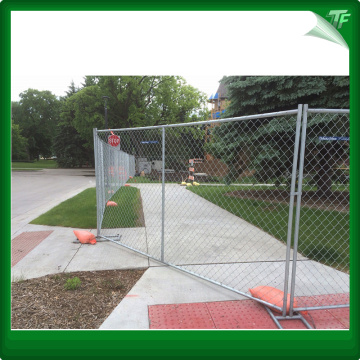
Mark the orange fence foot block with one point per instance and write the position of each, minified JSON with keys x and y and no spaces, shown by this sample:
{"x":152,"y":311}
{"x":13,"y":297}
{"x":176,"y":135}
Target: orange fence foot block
{"x":111,"y":203}
{"x":272,"y":295}
{"x":85,"y":237}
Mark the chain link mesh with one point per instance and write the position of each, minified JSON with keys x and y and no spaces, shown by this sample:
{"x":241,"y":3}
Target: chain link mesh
{"x":228,"y":228}
{"x":217,"y":204}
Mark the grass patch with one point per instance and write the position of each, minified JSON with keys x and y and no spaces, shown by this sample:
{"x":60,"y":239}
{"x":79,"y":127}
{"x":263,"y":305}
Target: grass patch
{"x":129,"y":211}
{"x":142,"y":180}
{"x":77,"y":212}
{"x":80,"y":211}
{"x":147,"y":180}
{"x":41,"y":164}
{"x":323,"y":235}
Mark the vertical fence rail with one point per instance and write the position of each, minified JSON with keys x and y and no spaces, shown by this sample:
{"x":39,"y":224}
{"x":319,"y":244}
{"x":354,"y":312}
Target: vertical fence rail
{"x":298,"y":208}
{"x":163,"y":196}
{"x":291,"y":208}
{"x":98,"y":185}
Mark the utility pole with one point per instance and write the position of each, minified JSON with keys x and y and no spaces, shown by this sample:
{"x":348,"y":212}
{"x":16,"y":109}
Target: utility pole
{"x":106,"y":119}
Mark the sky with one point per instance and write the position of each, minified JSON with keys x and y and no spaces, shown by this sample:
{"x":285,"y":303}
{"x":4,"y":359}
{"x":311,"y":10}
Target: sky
{"x":49,"y":50}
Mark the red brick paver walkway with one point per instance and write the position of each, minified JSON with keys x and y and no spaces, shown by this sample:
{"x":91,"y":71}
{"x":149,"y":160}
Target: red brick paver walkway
{"x":22,"y":244}
{"x":245,"y":314}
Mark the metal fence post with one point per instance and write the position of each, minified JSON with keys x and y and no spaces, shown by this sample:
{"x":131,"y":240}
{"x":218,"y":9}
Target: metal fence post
{"x":97,"y":178}
{"x":291,"y":206}
{"x":163,"y":196}
{"x":298,"y":208}
{"x":101,"y":169}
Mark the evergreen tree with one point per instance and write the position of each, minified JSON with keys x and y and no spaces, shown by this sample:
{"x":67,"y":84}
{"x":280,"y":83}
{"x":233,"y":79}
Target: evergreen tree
{"x":250,"y":95}
{"x":268,"y":143}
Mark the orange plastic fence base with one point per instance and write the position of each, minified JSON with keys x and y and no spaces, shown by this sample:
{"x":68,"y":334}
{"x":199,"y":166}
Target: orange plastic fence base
{"x":272,"y":296}
{"x":85,"y":237}
{"x":111,"y":203}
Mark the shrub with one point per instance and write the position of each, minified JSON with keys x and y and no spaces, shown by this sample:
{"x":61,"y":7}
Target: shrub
{"x":72,"y":284}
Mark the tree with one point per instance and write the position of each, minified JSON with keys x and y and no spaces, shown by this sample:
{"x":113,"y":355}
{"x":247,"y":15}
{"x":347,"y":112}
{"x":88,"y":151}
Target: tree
{"x":70,"y":149}
{"x":267,"y":144}
{"x":133,"y":101}
{"x":19,"y":144}
{"x":37,"y":113}
{"x":250,"y":95}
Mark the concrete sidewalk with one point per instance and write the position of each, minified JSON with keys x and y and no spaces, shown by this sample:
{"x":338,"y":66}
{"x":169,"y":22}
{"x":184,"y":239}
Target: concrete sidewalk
{"x":207,"y":240}
{"x":60,"y":251}
{"x":186,"y":214}
{"x":159,"y":285}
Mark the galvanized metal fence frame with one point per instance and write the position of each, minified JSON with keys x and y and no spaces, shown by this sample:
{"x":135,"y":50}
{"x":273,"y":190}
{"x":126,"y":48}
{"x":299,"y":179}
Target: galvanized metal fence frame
{"x":301,"y":113}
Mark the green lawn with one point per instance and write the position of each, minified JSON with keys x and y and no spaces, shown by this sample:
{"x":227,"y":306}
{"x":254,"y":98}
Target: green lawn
{"x":129,"y":211}
{"x":36,"y":165}
{"x":80,"y":211}
{"x":213,"y":180}
{"x":323,"y":236}
{"x":142,"y":180}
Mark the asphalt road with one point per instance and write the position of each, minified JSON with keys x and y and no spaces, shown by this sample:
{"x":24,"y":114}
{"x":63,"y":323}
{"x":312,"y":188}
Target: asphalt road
{"x":35,"y":192}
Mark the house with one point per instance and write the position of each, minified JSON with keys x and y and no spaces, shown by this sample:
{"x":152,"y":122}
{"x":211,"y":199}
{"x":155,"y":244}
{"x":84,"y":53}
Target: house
{"x":218,"y":103}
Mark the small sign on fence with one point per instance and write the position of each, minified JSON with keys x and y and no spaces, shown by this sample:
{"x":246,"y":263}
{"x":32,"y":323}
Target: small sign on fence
{"x":334,"y":138}
{"x":114,"y":140}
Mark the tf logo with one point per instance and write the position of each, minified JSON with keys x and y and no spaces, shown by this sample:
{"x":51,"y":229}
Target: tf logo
{"x":338,"y":17}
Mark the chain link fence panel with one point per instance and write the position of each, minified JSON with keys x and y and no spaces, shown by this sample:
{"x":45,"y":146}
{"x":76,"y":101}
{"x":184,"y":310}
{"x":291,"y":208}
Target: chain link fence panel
{"x":217,"y":199}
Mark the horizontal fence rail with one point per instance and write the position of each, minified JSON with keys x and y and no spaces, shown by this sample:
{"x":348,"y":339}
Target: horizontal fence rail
{"x":209,"y":122}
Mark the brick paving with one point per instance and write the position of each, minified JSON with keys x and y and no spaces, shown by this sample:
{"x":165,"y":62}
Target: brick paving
{"x":22,"y":244}
{"x":244,"y":314}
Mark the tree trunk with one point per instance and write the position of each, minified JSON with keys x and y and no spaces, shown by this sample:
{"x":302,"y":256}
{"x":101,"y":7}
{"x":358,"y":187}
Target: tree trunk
{"x":324,"y":179}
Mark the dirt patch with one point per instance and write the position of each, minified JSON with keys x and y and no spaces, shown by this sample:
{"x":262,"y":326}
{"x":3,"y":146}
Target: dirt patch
{"x":45,"y":303}
{"x":338,"y":200}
